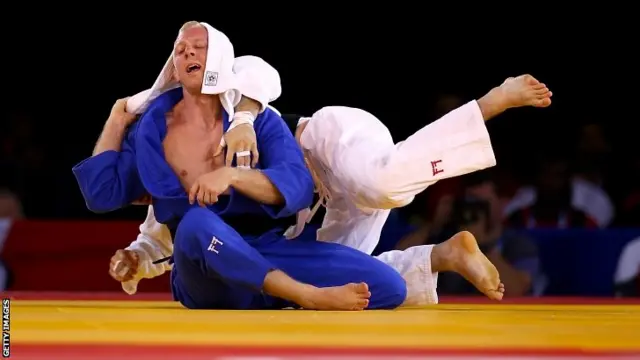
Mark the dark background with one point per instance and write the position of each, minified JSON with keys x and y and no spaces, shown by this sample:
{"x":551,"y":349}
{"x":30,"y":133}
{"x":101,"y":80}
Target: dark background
{"x":65,"y":72}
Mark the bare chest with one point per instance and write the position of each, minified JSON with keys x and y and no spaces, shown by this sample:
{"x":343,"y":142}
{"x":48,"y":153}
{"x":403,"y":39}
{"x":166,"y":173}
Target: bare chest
{"x":190,"y":150}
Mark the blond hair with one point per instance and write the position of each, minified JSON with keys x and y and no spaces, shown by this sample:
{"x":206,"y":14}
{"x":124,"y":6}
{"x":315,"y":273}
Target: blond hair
{"x":189,"y":25}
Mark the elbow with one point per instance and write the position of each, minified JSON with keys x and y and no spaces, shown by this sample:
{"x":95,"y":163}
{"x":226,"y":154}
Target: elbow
{"x":99,"y":207}
{"x":300,"y":196}
{"x":100,"y":202}
{"x":307,"y":189}
{"x":277,"y":198}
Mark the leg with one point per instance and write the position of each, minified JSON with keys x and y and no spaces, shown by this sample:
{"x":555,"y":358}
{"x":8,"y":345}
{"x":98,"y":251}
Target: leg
{"x":462,"y":255}
{"x":214,"y":267}
{"x":327,"y":265}
{"x":524,"y":90}
{"x":414,"y":265}
{"x":384,"y":176}
{"x":207,"y":273}
{"x":419,"y":266}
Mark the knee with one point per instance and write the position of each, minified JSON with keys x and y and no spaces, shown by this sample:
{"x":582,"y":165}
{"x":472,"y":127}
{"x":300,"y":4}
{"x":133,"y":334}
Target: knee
{"x":397,"y":292}
{"x":391,"y":291}
{"x":194,"y":227}
{"x":197,"y":216}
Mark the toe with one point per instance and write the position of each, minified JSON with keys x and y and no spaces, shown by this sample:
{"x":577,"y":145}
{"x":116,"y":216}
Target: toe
{"x":495,"y":295}
{"x":539,"y":87}
{"x":362,"y":288}
{"x":542,"y":102}
{"x":541,"y":90}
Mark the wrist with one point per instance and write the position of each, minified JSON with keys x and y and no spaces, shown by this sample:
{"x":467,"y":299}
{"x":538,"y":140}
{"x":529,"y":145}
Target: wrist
{"x":242,"y":118}
{"x":116,"y":122}
{"x":234,"y":175}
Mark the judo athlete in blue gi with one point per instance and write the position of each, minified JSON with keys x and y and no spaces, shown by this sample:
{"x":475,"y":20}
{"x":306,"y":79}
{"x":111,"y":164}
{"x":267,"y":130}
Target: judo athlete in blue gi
{"x":229,"y":251}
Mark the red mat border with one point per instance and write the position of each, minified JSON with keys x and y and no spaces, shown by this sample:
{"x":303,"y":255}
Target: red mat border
{"x":107,"y":296}
{"x":204,"y":350}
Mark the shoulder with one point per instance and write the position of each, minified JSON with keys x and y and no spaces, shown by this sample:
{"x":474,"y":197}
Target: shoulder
{"x":271,"y":121}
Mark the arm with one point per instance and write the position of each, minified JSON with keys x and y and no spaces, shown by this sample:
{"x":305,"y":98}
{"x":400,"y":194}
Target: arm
{"x":257,"y":186}
{"x":258,"y":83}
{"x":109,"y":179}
{"x":111,"y":137}
{"x":248,"y":105}
{"x":284,"y":185}
{"x":257,"y":80}
{"x":518,"y":263}
{"x":153,"y":243}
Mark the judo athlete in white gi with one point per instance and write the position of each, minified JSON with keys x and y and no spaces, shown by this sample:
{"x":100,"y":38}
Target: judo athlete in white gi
{"x":361,"y":175}
{"x":352,"y":150}
{"x":167,"y":153}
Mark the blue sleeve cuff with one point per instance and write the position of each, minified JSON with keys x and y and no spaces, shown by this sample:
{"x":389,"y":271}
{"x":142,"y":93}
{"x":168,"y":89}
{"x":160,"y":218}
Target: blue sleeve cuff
{"x":108,"y":181}
{"x":296,"y":187}
{"x":92,"y":166}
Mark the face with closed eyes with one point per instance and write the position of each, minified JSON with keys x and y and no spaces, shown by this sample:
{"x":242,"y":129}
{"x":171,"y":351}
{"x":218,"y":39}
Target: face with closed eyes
{"x":190,"y":56}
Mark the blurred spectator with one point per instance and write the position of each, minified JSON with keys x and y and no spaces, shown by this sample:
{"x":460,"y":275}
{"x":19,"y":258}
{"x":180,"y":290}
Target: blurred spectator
{"x":558,"y":200}
{"x":515,"y":257}
{"x":479,"y":210}
{"x":630,"y":207}
{"x":430,"y":219}
{"x":10,"y":206}
{"x":627,"y":277}
{"x":24,"y":164}
{"x":10,"y":209}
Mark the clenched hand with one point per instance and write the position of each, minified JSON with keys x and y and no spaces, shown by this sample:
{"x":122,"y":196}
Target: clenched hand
{"x":124,"y":265}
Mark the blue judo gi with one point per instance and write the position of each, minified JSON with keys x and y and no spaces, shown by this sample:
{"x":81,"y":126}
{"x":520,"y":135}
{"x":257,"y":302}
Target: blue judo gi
{"x":214,"y":265}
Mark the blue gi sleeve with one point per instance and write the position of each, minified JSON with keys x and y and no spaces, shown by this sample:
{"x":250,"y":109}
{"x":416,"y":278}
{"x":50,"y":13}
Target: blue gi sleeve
{"x":110,"y":181}
{"x":282,"y":162}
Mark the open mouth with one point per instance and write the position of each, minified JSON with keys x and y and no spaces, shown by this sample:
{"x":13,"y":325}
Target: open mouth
{"x":193,"y":67}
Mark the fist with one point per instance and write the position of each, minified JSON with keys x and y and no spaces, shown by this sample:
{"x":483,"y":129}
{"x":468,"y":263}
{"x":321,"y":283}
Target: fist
{"x":119,"y":113}
{"x":209,"y":186}
{"x":124,"y":265}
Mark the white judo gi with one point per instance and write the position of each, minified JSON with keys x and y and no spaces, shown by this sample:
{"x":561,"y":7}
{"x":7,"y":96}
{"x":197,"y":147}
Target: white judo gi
{"x":364,"y":175}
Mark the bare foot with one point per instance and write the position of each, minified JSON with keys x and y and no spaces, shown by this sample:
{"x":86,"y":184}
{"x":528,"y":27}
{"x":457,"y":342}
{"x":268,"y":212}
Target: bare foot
{"x":521,"y":91}
{"x":347,"y":297}
{"x":464,"y":257}
{"x":524,"y":90}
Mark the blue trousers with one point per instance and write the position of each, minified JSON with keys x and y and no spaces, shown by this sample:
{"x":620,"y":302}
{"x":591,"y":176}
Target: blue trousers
{"x":216,"y":268}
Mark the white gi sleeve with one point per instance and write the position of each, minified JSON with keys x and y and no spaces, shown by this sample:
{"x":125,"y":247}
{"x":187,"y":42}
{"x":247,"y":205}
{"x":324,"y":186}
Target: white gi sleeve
{"x":258,"y":80}
{"x":153,"y":243}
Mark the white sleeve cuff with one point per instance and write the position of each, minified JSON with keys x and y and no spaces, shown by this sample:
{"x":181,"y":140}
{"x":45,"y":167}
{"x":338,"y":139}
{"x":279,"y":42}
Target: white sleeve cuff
{"x":257,"y":80}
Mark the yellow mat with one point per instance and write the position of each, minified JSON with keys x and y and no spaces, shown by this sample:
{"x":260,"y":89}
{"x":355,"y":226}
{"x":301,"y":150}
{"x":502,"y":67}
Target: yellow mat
{"x":597,"y":327}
